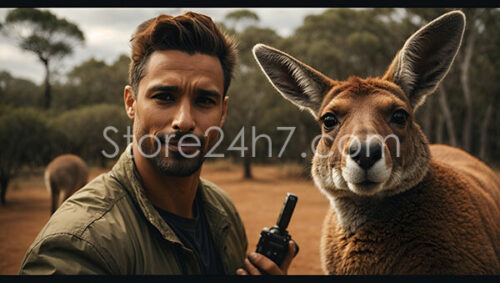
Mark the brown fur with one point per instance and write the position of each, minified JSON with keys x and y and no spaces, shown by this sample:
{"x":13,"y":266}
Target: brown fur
{"x":422,"y":210}
{"x":364,"y":106}
{"x":447,"y":224}
{"x":63,"y":176}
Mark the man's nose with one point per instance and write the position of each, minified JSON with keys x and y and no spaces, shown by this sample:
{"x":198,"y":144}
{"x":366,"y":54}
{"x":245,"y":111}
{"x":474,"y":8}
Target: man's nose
{"x":183,"y":120}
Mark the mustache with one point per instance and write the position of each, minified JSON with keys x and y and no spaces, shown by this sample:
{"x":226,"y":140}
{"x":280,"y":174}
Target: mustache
{"x":177,"y":136}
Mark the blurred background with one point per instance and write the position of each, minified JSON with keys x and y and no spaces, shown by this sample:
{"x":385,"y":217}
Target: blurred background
{"x":62,"y":74}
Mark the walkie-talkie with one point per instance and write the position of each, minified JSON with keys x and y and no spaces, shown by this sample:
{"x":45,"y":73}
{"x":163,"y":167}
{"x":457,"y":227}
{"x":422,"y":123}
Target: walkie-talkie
{"x":273,"y":242}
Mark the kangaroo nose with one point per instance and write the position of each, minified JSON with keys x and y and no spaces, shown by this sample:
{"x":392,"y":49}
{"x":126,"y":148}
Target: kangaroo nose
{"x":365,"y":155}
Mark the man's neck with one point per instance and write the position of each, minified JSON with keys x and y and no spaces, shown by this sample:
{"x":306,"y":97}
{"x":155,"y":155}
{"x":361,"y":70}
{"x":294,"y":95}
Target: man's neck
{"x":170,"y":193}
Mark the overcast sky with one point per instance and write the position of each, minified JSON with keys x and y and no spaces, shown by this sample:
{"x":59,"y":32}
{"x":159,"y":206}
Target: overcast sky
{"x":107,"y":33}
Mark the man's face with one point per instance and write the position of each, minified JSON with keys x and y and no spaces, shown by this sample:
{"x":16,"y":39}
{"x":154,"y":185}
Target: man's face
{"x":180,"y":94}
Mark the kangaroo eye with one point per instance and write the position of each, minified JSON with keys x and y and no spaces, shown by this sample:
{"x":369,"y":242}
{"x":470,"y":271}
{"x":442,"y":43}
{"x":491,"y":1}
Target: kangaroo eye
{"x":329,"y":121}
{"x":399,"y":117}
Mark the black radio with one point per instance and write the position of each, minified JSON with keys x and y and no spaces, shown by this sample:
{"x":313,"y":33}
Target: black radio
{"x":273,"y":242}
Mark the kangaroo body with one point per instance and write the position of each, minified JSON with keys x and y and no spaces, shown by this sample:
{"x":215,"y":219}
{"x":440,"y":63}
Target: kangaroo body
{"x":398,"y":204}
{"x":447,"y":224}
{"x":63,"y":176}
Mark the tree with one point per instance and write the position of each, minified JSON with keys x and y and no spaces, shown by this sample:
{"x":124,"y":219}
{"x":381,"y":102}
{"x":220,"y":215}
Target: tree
{"x":45,"y":35}
{"x":24,"y":140}
{"x":247,"y":91}
{"x":240,"y":19}
{"x":18,"y":92}
{"x":344,"y":42}
{"x":83,"y":128}
{"x":488,"y":62}
{"x":93,"y":82}
{"x":473,"y":75}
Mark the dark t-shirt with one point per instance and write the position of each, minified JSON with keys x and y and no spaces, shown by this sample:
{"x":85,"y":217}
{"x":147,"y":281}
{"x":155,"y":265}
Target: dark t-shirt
{"x":195,"y":234}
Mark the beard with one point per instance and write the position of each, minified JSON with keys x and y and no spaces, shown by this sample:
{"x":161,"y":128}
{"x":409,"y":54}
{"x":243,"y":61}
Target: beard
{"x":173,"y":163}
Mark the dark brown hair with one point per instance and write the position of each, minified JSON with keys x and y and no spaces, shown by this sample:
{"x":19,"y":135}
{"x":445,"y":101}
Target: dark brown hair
{"x":191,"y":33}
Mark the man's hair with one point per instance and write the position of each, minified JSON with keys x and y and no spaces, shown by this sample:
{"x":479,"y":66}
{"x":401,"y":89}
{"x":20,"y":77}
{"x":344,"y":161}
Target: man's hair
{"x":190,"y":32}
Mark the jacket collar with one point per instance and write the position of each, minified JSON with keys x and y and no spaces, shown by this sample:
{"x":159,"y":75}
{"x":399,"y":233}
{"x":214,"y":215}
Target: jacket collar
{"x":126,"y":173}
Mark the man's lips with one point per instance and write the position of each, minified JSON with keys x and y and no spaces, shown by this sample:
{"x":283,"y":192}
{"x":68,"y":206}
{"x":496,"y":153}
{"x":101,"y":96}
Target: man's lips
{"x":187,"y":146}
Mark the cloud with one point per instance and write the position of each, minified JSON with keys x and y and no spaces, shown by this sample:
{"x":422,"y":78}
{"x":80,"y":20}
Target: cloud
{"x":108,"y":40}
{"x":285,"y":20}
{"x":24,"y":64}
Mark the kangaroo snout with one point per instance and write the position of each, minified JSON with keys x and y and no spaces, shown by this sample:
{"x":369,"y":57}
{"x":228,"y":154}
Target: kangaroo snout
{"x":365,"y":169}
{"x":365,"y":154}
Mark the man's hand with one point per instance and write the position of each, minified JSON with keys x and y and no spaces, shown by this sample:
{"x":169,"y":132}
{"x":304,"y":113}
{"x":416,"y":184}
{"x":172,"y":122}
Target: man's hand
{"x":257,"y":264}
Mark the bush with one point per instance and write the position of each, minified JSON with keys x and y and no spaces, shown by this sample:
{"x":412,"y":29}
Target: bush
{"x":25,"y":141}
{"x":19,"y":92}
{"x":83,"y":128}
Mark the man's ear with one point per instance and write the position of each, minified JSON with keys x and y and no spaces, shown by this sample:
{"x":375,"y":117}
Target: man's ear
{"x":294,"y":80}
{"x":129,"y":98}
{"x":426,"y":57}
{"x":224,"y":111}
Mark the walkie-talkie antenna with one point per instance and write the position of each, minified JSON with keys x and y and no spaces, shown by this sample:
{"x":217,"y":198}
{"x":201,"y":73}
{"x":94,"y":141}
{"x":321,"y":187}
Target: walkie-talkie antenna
{"x":286,"y":212}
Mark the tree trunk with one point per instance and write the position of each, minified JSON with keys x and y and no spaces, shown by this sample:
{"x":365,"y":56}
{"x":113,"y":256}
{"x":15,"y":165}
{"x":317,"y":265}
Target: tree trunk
{"x":304,"y":161}
{"x":247,"y":167}
{"x":464,"y":80}
{"x":484,"y":132}
{"x":4,"y":182}
{"x":251,"y":113}
{"x":247,"y":162}
{"x":302,"y":132}
{"x":443,"y":102}
{"x":439,"y":129}
{"x":48,"y":97}
{"x":427,"y":117}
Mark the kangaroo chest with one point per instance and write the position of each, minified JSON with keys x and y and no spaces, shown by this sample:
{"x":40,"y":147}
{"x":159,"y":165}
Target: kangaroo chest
{"x":421,"y":231}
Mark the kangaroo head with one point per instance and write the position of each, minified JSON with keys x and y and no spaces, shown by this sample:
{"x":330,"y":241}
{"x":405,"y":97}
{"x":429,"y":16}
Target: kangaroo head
{"x":370,"y":144}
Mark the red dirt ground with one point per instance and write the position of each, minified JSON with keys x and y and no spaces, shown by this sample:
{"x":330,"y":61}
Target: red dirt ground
{"x":258,"y":201}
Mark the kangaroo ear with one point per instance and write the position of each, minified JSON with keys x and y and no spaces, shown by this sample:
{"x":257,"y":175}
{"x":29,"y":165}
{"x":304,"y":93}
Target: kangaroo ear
{"x":296,"y":81}
{"x":426,"y":56}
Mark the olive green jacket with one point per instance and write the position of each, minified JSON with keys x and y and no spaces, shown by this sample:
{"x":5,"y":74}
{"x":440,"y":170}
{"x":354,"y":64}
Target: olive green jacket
{"x":110,"y":227}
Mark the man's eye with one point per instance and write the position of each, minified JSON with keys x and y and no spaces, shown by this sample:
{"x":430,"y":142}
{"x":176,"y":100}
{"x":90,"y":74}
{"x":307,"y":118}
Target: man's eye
{"x":164,"y":97}
{"x":205,"y":100}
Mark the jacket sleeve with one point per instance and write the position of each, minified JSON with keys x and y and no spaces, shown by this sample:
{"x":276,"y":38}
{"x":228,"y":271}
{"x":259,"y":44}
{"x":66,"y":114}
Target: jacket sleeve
{"x":241,"y":229}
{"x":64,"y":253}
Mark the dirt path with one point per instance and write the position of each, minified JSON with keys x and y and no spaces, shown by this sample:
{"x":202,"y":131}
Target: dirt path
{"x":258,"y":201}
{"x":26,"y":212}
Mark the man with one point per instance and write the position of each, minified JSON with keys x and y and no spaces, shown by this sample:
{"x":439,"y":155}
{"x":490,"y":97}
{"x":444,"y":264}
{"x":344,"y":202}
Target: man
{"x":153,"y":214}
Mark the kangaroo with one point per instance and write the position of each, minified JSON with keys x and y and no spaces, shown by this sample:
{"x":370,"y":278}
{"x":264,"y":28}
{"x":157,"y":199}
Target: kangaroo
{"x":63,"y":176}
{"x":397,"y":204}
